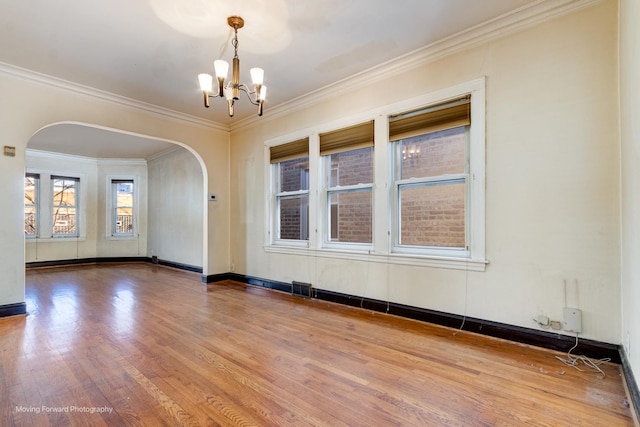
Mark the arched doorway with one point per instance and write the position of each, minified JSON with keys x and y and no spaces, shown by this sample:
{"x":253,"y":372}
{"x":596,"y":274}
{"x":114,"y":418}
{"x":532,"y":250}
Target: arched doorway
{"x":167,"y":216}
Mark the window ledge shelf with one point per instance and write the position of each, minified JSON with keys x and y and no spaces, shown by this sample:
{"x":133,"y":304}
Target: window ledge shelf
{"x":454,"y":263}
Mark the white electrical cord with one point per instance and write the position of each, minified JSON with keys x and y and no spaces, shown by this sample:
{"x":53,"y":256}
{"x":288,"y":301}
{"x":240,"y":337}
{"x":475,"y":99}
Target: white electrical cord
{"x":573,"y":361}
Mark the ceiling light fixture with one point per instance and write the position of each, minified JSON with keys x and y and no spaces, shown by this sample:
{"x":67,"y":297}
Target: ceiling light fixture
{"x":232,"y":90}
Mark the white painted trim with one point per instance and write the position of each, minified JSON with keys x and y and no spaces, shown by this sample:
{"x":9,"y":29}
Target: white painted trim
{"x":109,"y":207}
{"x":418,"y":261}
{"x":66,"y":85}
{"x":61,"y":156}
{"x":473,"y":259}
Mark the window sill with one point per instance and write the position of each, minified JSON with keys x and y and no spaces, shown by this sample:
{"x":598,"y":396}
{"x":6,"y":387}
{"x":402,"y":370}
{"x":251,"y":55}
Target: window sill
{"x":134,"y":237}
{"x":453,"y":263}
{"x":55,"y":239}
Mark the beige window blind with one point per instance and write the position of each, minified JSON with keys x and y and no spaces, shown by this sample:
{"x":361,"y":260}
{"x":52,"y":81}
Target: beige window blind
{"x":350,"y":138}
{"x":290,"y":150}
{"x":444,"y":116}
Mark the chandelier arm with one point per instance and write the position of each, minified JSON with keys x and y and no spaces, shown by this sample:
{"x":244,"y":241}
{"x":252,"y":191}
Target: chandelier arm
{"x":245,"y":89}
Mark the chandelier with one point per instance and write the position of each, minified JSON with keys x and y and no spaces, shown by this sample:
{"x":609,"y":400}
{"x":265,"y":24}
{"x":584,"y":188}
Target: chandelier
{"x":231,"y":90}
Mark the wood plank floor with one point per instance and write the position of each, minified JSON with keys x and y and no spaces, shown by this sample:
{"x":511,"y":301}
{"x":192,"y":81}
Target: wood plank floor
{"x":139,"y":344}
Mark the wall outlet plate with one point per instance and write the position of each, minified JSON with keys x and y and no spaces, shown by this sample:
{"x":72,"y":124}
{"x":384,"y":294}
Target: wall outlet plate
{"x":572,"y":319}
{"x":212,"y":197}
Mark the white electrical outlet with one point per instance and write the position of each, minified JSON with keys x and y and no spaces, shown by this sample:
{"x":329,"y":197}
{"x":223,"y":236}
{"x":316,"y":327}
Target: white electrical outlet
{"x":572,"y":319}
{"x":627,"y":345}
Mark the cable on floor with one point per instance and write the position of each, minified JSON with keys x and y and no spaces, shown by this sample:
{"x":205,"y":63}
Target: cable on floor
{"x":574,"y":361}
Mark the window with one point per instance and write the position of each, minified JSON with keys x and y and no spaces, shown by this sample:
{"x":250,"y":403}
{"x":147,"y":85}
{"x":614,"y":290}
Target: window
{"x":122,"y":202}
{"x":290,"y":171}
{"x":65,"y":205}
{"x":31,"y":202}
{"x":404,"y":185}
{"x":347,"y":156}
{"x":431,"y":176}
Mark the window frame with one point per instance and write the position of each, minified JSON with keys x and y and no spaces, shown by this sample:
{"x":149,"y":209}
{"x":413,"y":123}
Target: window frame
{"x":115,"y":207}
{"x":278,"y":196}
{"x":473,"y":258}
{"x":35,"y":205}
{"x":328,"y":190}
{"x":76,"y":206}
{"x":382,"y":250}
{"x":398,"y":183}
{"x":110,"y":207}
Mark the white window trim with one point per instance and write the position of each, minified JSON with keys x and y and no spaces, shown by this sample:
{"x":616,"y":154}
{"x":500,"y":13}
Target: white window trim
{"x":36,"y":206}
{"x":110,"y":207}
{"x":383,"y":199}
{"x":395,"y":185}
{"x":77,"y":206}
{"x":273,"y":171}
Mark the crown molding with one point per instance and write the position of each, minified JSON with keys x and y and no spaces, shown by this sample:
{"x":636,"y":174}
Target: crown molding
{"x":97,"y":161}
{"x":164,"y":153}
{"x":509,"y":23}
{"x":61,"y":156}
{"x":66,"y":85}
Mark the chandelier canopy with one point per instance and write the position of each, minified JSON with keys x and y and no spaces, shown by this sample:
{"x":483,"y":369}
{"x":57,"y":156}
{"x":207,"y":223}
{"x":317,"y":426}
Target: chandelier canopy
{"x":231,"y":90}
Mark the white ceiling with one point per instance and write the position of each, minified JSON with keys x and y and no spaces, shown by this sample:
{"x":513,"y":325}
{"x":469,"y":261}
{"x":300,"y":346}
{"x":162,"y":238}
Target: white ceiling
{"x":153,"y":50}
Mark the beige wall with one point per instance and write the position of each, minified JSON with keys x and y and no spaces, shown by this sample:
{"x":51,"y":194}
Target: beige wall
{"x":175,"y":208}
{"x":552,"y":181}
{"x":630,"y":136}
{"x":28,"y":105}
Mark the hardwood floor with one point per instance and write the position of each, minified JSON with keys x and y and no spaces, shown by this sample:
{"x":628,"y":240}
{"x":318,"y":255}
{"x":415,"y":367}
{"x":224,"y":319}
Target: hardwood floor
{"x":139,"y":344}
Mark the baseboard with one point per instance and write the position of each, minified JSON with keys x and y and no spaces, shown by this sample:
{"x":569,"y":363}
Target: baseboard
{"x":249,"y":280}
{"x":79,"y":261}
{"x":544,"y":339}
{"x":13,"y":309}
{"x":632,"y":385}
{"x":179,"y":265}
{"x":105,"y":260}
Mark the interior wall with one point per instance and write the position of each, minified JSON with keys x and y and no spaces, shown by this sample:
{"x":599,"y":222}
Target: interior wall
{"x":175,"y":208}
{"x":95,"y":233}
{"x":47,"y":248}
{"x":29,"y":104}
{"x":552,"y":181}
{"x":630,"y":137}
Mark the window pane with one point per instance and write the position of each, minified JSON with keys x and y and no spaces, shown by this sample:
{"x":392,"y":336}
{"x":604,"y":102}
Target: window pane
{"x":350,"y":216}
{"x":64,"y":206}
{"x":64,"y":192}
{"x":294,"y":174}
{"x":123,"y":207}
{"x":30,"y":205}
{"x":433,"y":154}
{"x":64,"y":220}
{"x":30,"y":221}
{"x":124,"y":220}
{"x":294,"y":217}
{"x":432,"y":215}
{"x":352,"y":167}
{"x":30,"y":191}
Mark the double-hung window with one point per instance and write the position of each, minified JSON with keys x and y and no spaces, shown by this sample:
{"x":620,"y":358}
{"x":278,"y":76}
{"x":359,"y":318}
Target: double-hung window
{"x":430,"y":152}
{"x":290,"y":172}
{"x":122,"y":203}
{"x":65,"y":192}
{"x":31,"y":204}
{"x":347,"y":162}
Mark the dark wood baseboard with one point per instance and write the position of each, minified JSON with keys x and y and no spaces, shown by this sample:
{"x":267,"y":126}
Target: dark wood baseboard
{"x":104,"y":260}
{"x":250,"y":280}
{"x":13,"y":309}
{"x":79,"y":261}
{"x":179,"y":265}
{"x":632,"y":385}
{"x":544,"y":339}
